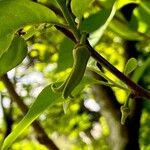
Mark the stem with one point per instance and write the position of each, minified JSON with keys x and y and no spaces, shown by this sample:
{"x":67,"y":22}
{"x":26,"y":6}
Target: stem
{"x":137,"y":90}
{"x":83,"y":38}
{"x":66,"y":32}
{"x":125,"y":110}
{"x":68,"y":18}
{"x":112,"y":83}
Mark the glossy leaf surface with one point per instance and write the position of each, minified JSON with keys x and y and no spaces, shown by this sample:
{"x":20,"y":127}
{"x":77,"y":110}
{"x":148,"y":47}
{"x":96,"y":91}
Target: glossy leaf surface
{"x":65,"y":59}
{"x":79,"y":7}
{"x":15,"y":14}
{"x":130,"y":66}
{"x":13,"y":56}
{"x":45,"y":99}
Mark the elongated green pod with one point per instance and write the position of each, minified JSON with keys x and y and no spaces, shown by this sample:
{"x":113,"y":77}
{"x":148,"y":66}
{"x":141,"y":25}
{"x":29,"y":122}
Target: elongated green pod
{"x":81,"y":55}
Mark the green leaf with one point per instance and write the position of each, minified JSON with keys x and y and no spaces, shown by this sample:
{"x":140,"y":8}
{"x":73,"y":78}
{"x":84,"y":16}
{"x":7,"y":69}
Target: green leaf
{"x":130,"y":66}
{"x":107,"y":3}
{"x":45,"y":99}
{"x":138,"y":73}
{"x":124,"y":30}
{"x":120,"y":3}
{"x":5,"y":42}
{"x":65,"y":59}
{"x":15,"y":14}
{"x":86,"y":80}
{"x":141,"y":15}
{"x":13,"y":56}
{"x":78,"y":7}
{"x":53,"y":2}
{"x":92,"y":23}
{"x":96,"y":36}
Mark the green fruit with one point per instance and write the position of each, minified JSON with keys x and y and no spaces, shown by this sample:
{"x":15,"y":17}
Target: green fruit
{"x":81,"y":55}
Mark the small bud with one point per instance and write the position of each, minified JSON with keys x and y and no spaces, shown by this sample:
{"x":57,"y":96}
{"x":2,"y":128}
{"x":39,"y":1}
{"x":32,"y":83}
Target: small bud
{"x":125,"y":113}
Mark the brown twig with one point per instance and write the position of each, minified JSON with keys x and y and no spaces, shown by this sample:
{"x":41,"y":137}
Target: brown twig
{"x":41,"y":135}
{"x":66,"y":32}
{"x":136,"y":90}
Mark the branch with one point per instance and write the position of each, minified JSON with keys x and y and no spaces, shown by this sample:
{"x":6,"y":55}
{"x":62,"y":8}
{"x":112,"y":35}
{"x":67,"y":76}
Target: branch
{"x":41,"y":136}
{"x":137,"y":90}
{"x":69,"y":18}
{"x":66,"y":32}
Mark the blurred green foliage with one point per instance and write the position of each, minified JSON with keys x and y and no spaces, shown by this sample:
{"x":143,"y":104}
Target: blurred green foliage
{"x":50,"y":58}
